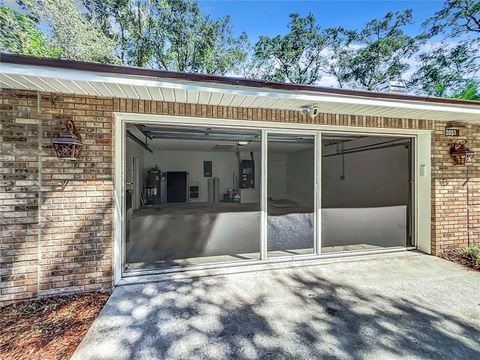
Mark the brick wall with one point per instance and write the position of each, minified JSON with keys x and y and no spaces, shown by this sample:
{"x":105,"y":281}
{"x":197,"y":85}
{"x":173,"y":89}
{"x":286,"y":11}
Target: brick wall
{"x":56,"y":216}
{"x":455,"y":201}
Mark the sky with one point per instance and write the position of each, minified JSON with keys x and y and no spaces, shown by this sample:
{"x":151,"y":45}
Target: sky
{"x":271,"y":17}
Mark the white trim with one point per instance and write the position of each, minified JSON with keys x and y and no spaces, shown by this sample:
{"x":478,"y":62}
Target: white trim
{"x":423,"y":192}
{"x":148,"y":81}
{"x":318,"y":194}
{"x":135,"y":276}
{"x":119,"y":198}
{"x":316,"y":250}
{"x":264,"y":197}
{"x":422,"y":188}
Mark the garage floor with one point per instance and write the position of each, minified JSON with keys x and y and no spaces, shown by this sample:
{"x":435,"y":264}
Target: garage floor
{"x":390,"y":306}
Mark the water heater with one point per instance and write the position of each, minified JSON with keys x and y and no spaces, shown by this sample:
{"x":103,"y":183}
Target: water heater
{"x":154,"y":186}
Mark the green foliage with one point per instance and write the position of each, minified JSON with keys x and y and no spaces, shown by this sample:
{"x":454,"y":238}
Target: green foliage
{"x":295,"y":57}
{"x":175,"y":35}
{"x":187,"y":40}
{"x":472,"y":255}
{"x":338,"y":54}
{"x":115,"y":19}
{"x":20,"y":34}
{"x":170,"y":35}
{"x":364,"y":59}
{"x":456,"y":18}
{"x":451,"y":69}
{"x":79,"y":38}
{"x":380,"y":51}
{"x":444,"y":71}
{"x":471,"y":92}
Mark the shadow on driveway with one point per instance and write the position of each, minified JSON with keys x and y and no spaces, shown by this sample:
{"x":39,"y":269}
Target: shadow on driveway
{"x":401,"y":306}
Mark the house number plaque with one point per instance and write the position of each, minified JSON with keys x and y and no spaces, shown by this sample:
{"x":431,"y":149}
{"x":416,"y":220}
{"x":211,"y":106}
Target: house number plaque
{"x":452,"y":132}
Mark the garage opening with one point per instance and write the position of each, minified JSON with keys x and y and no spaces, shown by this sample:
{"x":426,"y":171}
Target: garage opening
{"x":193,"y":195}
{"x":366,"y":192}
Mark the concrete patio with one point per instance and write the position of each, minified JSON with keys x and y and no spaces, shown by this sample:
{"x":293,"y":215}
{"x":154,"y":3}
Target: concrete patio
{"x":404,"y":305}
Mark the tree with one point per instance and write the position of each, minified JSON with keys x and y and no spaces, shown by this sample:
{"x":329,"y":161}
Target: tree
{"x":187,"y":40}
{"x":130,"y":24}
{"x":456,"y":18}
{"x":443,"y":71}
{"x":470,"y":92}
{"x":19,"y":34}
{"x":295,"y":57}
{"x":379,"y":52}
{"x":451,"y":67}
{"x":170,"y":35}
{"x":79,"y":38}
{"x":337,"y":54}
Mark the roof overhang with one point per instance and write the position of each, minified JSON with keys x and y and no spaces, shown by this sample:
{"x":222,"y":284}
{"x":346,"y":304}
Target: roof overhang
{"x":28,"y":73}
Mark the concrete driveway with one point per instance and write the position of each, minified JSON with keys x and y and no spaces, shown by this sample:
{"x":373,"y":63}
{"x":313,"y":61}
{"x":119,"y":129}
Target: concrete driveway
{"x":391,"y":306}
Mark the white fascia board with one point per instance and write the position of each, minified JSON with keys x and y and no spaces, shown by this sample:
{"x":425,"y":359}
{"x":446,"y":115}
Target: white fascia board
{"x":81,"y":75}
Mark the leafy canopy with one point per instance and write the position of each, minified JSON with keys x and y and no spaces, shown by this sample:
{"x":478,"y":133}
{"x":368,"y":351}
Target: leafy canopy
{"x":379,"y":51}
{"x":443,"y":71}
{"x":450,"y":68}
{"x":169,"y":35}
{"x":79,"y":38}
{"x":19,"y":34}
{"x":456,"y":18}
{"x":175,"y":35}
{"x":295,"y":57}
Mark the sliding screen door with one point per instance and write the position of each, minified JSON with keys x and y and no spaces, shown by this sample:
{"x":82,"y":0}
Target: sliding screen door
{"x":290,"y":194}
{"x":366,"y":192}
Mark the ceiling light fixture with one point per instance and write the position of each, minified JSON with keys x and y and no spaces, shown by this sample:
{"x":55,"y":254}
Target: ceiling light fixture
{"x":243,"y":142}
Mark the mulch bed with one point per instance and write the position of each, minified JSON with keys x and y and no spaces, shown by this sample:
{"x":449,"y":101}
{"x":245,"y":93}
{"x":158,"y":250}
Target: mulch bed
{"x":48,"y":328}
{"x":459,"y":256}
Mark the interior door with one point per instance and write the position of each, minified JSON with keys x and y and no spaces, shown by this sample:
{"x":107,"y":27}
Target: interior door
{"x":177,"y":187}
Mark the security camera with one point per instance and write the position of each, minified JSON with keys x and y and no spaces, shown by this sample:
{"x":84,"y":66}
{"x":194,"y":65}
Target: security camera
{"x":309,"y":110}
{"x":305,"y":111}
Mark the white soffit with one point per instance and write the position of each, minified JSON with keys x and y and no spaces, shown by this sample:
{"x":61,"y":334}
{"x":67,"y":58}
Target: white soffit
{"x":70,"y":81}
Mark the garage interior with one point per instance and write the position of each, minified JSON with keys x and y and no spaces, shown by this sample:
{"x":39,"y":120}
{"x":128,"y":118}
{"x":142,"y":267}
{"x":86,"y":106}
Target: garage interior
{"x":199,"y":195}
{"x":193,"y":194}
{"x":366,"y":192}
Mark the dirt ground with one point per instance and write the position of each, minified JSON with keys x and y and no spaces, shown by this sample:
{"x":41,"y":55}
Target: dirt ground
{"x":49,"y":328}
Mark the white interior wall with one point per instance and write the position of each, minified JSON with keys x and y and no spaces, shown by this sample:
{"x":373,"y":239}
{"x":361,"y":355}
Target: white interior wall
{"x":277,"y":176}
{"x":224,"y":164}
{"x":301,"y":176}
{"x":134,"y":150}
{"x":372,"y":178}
{"x":291,"y":176}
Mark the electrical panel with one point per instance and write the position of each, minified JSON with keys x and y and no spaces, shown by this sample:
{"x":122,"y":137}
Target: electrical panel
{"x":247,"y":174}
{"x":207,"y":169}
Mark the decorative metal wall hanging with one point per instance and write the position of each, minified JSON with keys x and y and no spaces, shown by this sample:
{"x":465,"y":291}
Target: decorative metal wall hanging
{"x":460,"y":153}
{"x":68,"y":144}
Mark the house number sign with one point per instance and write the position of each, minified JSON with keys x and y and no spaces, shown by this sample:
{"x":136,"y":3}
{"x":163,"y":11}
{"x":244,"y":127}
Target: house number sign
{"x":452,"y":132}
